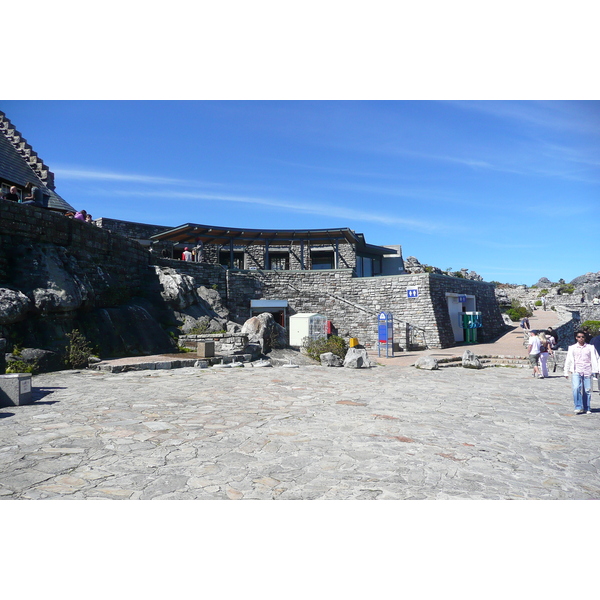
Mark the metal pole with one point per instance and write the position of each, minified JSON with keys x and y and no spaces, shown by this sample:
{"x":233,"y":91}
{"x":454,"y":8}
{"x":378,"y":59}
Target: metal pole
{"x":266,"y":261}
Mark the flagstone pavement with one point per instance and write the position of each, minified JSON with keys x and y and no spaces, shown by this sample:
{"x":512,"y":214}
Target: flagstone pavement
{"x":386,"y":432}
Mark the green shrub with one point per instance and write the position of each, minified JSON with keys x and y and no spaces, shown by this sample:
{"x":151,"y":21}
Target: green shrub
{"x":594,"y":327}
{"x":566,"y":289}
{"x":518,"y":313}
{"x":334,"y":344}
{"x":199,"y":329}
{"x":458,"y":274}
{"x":543,"y":292}
{"x":19,"y":366}
{"x":538,"y":303}
{"x":78,"y":351}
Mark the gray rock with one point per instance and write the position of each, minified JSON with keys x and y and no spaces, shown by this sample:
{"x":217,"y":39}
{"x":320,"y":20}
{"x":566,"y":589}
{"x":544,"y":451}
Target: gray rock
{"x":14,"y":306}
{"x":262,"y":363}
{"x":263,"y":330}
{"x":213,"y":299}
{"x":470,"y":361}
{"x":55,"y":284}
{"x":329,"y":359}
{"x":45,"y":360}
{"x":356,"y":358}
{"x":177,"y":289}
{"x":428,"y":363}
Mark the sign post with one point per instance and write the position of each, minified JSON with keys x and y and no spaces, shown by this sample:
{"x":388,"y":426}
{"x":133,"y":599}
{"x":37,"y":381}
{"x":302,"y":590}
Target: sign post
{"x":385,"y":321}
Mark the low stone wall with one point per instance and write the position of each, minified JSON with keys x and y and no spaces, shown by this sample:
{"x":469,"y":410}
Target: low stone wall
{"x":226,"y":344}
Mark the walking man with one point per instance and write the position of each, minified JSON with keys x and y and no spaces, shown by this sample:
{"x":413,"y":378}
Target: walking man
{"x":582,"y":360}
{"x":534,"y":350}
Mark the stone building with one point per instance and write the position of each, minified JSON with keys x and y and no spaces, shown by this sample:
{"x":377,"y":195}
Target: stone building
{"x":20,"y":165}
{"x":337,"y":274}
{"x":284,"y":250}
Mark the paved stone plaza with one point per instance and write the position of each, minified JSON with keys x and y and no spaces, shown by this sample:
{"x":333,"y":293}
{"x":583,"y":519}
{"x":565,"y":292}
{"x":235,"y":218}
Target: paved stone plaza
{"x":304,"y":433}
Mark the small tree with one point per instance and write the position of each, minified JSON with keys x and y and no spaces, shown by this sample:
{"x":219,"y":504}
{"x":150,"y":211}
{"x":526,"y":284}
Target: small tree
{"x":78,"y":350}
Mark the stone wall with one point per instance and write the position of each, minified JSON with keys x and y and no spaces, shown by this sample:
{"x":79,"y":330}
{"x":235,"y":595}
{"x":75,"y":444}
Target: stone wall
{"x":58,"y":274}
{"x":353,"y":304}
{"x":106,"y":260}
{"x":136,"y":231}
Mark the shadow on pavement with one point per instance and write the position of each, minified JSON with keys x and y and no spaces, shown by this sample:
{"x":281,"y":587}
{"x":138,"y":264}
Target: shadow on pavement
{"x":39,"y":393}
{"x":4,"y":415}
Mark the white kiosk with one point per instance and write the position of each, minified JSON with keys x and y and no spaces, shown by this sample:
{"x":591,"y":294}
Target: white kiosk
{"x":303,"y":325}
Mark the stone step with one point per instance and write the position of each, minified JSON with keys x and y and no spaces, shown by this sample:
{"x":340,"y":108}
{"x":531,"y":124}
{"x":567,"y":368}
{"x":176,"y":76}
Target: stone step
{"x":486,"y":361}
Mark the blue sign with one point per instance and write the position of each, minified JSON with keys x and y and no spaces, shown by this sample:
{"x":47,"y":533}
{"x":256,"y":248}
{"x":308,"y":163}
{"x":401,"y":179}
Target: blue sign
{"x":383,"y":333}
{"x":462,"y":298}
{"x":385,"y":330}
{"x":412,"y":292}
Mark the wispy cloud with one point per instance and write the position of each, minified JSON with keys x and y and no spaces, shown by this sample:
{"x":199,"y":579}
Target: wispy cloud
{"x":557,"y":115}
{"x":322,"y":209}
{"x":90,"y":174}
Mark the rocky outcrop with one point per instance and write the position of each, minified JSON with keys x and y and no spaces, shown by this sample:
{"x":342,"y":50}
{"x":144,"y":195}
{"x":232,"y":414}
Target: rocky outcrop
{"x":263,"y":330}
{"x":52,"y":291}
{"x":412,"y":265}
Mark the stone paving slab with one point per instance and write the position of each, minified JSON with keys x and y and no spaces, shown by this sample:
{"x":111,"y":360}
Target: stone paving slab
{"x":305,"y":433}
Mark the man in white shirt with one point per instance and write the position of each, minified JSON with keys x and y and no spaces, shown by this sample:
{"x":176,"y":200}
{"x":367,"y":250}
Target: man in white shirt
{"x":582,"y":360}
{"x":534,"y":349}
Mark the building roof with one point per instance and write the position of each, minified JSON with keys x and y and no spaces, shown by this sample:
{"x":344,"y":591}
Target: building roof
{"x":20,"y":165}
{"x":192,"y":233}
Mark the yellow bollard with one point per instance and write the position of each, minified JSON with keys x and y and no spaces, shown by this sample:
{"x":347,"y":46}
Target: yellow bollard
{"x":353,"y":342}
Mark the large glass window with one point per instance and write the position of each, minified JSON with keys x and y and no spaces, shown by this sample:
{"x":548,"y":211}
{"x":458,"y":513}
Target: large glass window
{"x":225,"y":258}
{"x":322,"y":260}
{"x":279,"y":261}
{"x":367,"y":266}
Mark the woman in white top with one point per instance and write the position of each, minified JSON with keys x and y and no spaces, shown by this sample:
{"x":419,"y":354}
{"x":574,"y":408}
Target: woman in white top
{"x":545,"y":350}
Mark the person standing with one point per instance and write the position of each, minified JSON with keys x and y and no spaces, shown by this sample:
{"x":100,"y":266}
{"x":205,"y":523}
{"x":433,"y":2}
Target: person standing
{"x":554,"y":335}
{"x":534,"y":351}
{"x":186,"y":255}
{"x":545,"y":351}
{"x":582,"y":360}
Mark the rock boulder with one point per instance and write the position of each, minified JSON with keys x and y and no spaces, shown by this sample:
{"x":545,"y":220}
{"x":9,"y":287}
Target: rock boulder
{"x":429,"y":363}
{"x":470,"y":361}
{"x":329,"y":359}
{"x":356,"y":358}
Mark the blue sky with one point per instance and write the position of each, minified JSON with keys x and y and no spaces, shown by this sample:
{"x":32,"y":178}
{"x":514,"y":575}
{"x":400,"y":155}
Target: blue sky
{"x":484,"y":185}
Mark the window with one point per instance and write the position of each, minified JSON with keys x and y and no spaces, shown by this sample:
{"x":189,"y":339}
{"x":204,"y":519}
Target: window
{"x":322,"y":260}
{"x":279,"y":261}
{"x":238,"y":259}
{"x":367,"y":266}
